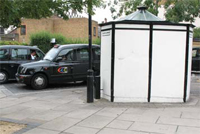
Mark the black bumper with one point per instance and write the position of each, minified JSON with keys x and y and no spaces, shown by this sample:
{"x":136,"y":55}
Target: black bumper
{"x":26,"y":79}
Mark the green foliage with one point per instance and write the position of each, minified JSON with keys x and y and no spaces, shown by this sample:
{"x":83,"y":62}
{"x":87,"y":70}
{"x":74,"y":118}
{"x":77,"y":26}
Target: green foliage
{"x":11,"y":43}
{"x":176,"y":10}
{"x":60,"y":39}
{"x":182,"y":10}
{"x":11,"y":11}
{"x":197,"y":32}
{"x":42,"y":40}
{"x":130,"y":6}
{"x":96,"y":41}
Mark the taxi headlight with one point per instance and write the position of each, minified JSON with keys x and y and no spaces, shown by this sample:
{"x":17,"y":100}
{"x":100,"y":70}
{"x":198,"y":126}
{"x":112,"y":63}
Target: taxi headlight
{"x":29,"y":71}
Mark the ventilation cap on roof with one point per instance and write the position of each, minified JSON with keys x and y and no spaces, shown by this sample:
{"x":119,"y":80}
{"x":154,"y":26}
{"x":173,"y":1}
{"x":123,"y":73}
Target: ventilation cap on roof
{"x":141,"y":15}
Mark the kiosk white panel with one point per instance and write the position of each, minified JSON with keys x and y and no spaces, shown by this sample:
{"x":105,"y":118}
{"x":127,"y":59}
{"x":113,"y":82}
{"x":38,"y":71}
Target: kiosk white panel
{"x":131,"y":65}
{"x":105,"y":68}
{"x":131,"y":26}
{"x":106,"y":27}
{"x":170,"y":27}
{"x":168,"y":66}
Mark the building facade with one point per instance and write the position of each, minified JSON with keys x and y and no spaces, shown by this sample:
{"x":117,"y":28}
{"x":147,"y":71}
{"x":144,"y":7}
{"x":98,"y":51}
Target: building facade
{"x":75,"y":28}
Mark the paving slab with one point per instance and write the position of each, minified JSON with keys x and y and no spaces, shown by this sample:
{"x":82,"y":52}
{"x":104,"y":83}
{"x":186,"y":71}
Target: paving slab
{"x":179,"y":121}
{"x":191,"y":115}
{"x":2,"y":95}
{"x":23,"y":114}
{"x":188,"y":130}
{"x":118,"y":131}
{"x":60,"y":124}
{"x":111,"y":112}
{"x":119,"y":124}
{"x":41,"y":104}
{"x":47,"y":115}
{"x":154,"y":112}
{"x":81,"y":113}
{"x":96,"y":121}
{"x":41,"y":131}
{"x":136,"y":110}
{"x":81,"y":130}
{"x":140,"y":118}
{"x":155,"y":128}
{"x":9,"y":110}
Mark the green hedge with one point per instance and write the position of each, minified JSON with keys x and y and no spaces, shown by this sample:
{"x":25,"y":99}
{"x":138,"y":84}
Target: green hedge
{"x":197,"y":32}
{"x":82,"y":41}
{"x":42,"y":40}
{"x":12,"y":43}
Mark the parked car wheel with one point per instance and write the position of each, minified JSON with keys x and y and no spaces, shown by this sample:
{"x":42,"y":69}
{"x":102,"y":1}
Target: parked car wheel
{"x":39,"y":81}
{"x":3,"y":77}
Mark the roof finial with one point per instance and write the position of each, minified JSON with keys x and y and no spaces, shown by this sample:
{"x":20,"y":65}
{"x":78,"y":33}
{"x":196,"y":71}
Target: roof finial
{"x":142,"y":7}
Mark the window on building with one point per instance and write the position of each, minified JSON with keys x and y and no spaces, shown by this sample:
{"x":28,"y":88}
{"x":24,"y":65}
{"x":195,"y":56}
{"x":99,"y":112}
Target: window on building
{"x":94,"y":31}
{"x":23,"y":30}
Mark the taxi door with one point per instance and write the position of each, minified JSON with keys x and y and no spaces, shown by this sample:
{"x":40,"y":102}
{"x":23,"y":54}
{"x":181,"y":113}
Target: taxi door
{"x":81,"y":65}
{"x":62,"y":66}
{"x":18,"y":56}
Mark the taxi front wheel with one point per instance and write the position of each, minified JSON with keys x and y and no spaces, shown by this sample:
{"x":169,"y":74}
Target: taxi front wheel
{"x":39,"y":81}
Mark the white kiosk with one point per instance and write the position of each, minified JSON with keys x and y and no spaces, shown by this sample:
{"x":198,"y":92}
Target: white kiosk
{"x":145,"y":59}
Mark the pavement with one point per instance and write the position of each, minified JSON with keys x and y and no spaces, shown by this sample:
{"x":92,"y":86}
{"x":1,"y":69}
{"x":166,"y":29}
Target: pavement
{"x":65,"y":111}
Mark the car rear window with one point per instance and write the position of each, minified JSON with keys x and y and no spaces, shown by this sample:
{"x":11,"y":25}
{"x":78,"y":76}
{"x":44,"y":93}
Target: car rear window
{"x":19,"y":54}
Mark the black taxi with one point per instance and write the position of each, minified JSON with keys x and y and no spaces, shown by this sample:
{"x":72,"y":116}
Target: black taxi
{"x":11,"y":56}
{"x":63,"y":63}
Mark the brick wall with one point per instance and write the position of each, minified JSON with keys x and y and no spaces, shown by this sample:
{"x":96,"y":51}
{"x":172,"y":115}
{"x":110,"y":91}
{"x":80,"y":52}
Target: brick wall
{"x":72,"y":28}
{"x":196,"y":44}
{"x":33,"y":26}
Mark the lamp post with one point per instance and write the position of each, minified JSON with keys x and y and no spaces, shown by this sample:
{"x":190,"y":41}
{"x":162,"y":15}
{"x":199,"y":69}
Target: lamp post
{"x":90,"y":76}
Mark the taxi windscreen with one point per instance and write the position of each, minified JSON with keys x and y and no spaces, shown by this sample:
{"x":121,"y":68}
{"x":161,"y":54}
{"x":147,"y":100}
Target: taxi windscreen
{"x":51,"y":54}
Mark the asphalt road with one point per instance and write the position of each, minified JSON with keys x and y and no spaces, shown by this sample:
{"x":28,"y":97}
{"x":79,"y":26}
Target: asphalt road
{"x":17,"y":88}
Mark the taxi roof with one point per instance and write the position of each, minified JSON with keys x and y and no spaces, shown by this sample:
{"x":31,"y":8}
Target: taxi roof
{"x":18,"y":46}
{"x":76,"y":46}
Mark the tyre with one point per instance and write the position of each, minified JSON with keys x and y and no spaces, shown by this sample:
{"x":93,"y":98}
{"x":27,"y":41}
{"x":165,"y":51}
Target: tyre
{"x":39,"y":81}
{"x":3,"y":77}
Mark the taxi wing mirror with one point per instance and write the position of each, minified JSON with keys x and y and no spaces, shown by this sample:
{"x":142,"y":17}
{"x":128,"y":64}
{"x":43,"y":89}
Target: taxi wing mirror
{"x":58,"y":59}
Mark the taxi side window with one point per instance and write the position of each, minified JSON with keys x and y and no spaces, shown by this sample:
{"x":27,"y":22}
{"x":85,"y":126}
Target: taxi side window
{"x":4,"y":54}
{"x":38,"y":55}
{"x":67,"y":55}
{"x":82,"y":54}
{"x":19,"y":54}
{"x":97,"y":53}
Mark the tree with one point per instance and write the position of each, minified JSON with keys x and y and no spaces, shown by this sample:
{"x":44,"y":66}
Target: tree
{"x":130,"y":6}
{"x":176,"y":10}
{"x":11,"y":11}
{"x":182,"y":10}
{"x":197,"y":32}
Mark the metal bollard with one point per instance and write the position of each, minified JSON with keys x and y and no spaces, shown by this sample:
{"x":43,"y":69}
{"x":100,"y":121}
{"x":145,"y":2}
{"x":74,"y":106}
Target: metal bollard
{"x":90,"y":85}
{"x":97,"y":87}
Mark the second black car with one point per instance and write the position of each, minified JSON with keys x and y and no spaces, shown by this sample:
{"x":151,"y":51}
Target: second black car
{"x":65,"y":63}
